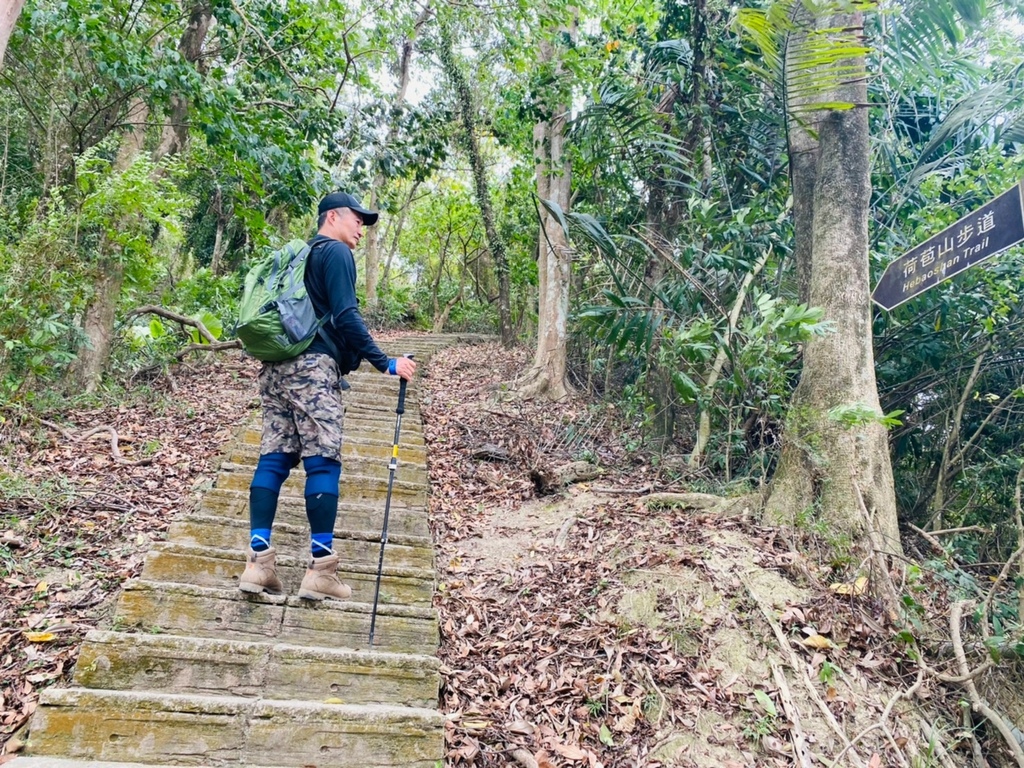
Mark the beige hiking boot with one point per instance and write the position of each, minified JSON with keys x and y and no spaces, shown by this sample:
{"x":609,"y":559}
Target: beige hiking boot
{"x":321,"y":580}
{"x":260,"y":574}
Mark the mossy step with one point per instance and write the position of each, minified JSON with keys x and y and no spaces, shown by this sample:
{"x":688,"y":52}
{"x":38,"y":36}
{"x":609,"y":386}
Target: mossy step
{"x":412,"y":426}
{"x":360,"y":459}
{"x":382,"y":439}
{"x":205,"y":566}
{"x":62,"y":762}
{"x":228,"y":614}
{"x":207,"y":667}
{"x":406,"y":518}
{"x":225,"y":730}
{"x":292,"y":542}
{"x":380,"y":433}
{"x":353,"y":488}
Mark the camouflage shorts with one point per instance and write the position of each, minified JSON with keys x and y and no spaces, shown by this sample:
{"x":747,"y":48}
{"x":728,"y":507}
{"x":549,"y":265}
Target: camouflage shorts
{"x":303,"y":411}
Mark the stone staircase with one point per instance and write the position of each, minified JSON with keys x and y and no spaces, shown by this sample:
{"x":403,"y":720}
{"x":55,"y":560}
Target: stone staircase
{"x":194,"y":672}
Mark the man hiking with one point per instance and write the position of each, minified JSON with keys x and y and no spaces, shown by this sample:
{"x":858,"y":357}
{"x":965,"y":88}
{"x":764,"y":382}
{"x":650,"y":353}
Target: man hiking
{"x":303,"y":414}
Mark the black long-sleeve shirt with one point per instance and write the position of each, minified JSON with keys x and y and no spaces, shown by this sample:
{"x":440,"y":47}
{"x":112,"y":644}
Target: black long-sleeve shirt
{"x":331,"y":285}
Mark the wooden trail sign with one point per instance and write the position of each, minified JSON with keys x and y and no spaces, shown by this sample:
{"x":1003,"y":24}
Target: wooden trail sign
{"x":977,"y":236}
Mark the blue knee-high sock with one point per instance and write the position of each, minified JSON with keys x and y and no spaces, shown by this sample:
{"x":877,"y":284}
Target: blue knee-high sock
{"x":271,"y":472}
{"x":322,"y":478}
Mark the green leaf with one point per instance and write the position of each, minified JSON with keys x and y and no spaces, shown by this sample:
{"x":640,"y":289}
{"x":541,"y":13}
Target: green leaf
{"x":766,"y":702}
{"x":606,"y":736}
{"x":685,"y":387}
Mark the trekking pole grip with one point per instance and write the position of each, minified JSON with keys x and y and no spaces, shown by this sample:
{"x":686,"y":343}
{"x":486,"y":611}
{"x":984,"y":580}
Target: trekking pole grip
{"x":401,"y":391}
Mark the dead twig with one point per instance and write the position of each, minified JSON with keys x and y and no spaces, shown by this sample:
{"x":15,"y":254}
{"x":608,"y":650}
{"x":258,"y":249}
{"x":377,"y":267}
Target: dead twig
{"x":803,"y":754}
{"x":964,"y":529}
{"x":794,"y":663}
{"x":115,"y":448}
{"x":881,"y":724}
{"x":978,"y":704}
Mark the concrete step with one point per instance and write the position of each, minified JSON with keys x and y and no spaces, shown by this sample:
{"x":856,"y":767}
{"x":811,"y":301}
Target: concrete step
{"x":206,"y":566}
{"x":360,"y":459}
{"x":226,"y":730}
{"x":375,"y":469}
{"x":405,"y":518}
{"x":120,"y":661}
{"x":228,"y":614}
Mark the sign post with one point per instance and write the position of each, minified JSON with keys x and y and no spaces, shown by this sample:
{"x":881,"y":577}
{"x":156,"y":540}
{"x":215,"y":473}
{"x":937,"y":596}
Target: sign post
{"x":976,"y":237}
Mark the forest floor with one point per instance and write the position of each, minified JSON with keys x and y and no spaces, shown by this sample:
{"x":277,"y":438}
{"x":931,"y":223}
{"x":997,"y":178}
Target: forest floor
{"x":598,"y":623}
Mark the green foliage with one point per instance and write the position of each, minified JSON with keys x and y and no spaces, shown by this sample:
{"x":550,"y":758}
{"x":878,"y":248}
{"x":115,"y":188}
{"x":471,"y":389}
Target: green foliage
{"x":800,"y":48}
{"x":204,"y":292}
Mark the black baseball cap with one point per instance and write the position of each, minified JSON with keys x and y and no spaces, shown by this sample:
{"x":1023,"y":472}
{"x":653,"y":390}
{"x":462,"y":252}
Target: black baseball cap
{"x":345,"y":200}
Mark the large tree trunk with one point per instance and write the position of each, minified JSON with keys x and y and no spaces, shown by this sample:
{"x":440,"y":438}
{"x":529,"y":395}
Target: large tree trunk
{"x":495,"y":242}
{"x":108,"y":272}
{"x":10,"y":10}
{"x":554,"y":261}
{"x":190,"y":47}
{"x":839,"y":475}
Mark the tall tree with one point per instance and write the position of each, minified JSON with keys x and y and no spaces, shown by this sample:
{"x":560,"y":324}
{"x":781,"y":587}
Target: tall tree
{"x":468,"y":120}
{"x":547,"y":376}
{"x":371,"y":248}
{"x":833,"y":465}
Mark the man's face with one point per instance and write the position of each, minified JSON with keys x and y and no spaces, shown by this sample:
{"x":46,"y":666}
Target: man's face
{"x":347,"y":226}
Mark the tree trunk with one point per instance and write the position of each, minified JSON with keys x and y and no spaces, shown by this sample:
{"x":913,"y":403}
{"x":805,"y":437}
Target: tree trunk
{"x":554,"y":261}
{"x":175,"y":131}
{"x":108,"y":276}
{"x":496,"y":243}
{"x":98,"y":323}
{"x":10,"y":10}
{"x":839,"y":475}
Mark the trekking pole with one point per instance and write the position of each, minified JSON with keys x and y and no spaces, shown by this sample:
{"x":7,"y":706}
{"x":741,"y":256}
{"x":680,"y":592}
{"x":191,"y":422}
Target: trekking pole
{"x":392,"y":466}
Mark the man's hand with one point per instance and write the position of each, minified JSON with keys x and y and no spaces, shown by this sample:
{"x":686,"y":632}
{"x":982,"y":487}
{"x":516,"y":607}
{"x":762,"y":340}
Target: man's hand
{"x":405,"y":367}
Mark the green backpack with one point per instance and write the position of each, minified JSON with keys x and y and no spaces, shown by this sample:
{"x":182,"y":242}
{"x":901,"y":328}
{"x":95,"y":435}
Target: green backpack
{"x":276,"y":319}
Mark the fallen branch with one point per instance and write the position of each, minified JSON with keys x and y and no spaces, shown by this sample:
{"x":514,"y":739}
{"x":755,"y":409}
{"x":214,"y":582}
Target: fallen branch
{"x":153,"y":309}
{"x":548,"y":479}
{"x":964,"y":529}
{"x":604,"y":489}
{"x":563,"y":532}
